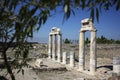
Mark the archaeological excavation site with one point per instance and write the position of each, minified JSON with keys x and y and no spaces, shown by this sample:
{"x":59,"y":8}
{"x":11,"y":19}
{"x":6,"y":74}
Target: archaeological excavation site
{"x":59,"y":61}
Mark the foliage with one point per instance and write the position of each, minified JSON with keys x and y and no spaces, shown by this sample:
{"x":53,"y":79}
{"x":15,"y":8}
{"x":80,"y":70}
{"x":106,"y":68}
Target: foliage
{"x":87,"y":41}
{"x":20,"y":18}
{"x":117,"y":41}
{"x":67,"y":41}
{"x":104,"y":40}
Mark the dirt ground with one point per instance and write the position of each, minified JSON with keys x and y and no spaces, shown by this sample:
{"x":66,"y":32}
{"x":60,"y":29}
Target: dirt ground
{"x":105,"y":54}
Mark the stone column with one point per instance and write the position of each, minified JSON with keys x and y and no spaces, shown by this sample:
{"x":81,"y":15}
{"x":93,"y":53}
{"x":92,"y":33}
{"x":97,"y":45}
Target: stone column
{"x":59,"y":48}
{"x":50,"y":47}
{"x":54,"y":47}
{"x":81,"y":51}
{"x":93,"y":52}
{"x":64,"y":58}
{"x":72,"y":57}
{"x":116,"y":65}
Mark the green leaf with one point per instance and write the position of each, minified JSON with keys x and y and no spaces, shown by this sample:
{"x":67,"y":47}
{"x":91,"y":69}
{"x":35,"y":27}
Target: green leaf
{"x":22,"y":71}
{"x":83,"y":3}
{"x":107,"y":5}
{"x":97,"y":14}
{"x":89,"y":3}
{"x":115,"y":1}
{"x":118,"y":5}
{"x":92,"y":14}
{"x":73,"y":12}
{"x":77,"y":3}
{"x":66,"y":8}
{"x":44,"y":18}
{"x":67,"y":11}
{"x":18,"y":71}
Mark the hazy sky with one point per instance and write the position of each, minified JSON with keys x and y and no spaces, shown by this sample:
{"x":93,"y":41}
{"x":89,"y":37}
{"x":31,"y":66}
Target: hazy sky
{"x":108,"y":25}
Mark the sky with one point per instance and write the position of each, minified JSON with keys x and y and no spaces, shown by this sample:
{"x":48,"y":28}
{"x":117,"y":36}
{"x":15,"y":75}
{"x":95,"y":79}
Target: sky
{"x":108,"y":25}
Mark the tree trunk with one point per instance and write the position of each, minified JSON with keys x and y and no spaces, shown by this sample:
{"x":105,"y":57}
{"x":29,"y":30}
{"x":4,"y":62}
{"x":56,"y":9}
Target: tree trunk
{"x":9,"y":69}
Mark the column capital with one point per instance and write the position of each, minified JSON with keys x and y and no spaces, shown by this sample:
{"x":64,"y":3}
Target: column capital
{"x":50,"y":34}
{"x":93,"y":30}
{"x":81,"y":31}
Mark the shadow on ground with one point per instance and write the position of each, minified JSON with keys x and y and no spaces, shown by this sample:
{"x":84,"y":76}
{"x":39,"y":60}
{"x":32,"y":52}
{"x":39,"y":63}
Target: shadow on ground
{"x":106,"y":66}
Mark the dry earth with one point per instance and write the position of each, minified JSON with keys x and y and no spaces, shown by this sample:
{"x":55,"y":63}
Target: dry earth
{"x":105,"y":53}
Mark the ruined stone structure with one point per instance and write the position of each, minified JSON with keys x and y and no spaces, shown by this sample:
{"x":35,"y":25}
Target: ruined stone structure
{"x":55,"y":48}
{"x":72,"y":59}
{"x":116,"y":65}
{"x":87,"y":25}
{"x":64,"y":58}
{"x":38,"y":63}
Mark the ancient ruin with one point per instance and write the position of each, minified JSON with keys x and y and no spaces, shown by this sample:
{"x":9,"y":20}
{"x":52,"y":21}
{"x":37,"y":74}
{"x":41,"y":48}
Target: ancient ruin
{"x":116,"y":65}
{"x":54,"y":47}
{"x":72,"y":59}
{"x":38,"y":63}
{"x":67,"y":58}
{"x":64,"y":58}
{"x":87,"y":25}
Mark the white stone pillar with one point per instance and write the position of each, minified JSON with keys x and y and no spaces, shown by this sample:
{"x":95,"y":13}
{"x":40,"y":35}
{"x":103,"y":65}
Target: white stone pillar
{"x":64,"y":59}
{"x":59,"y":48}
{"x":116,"y":65}
{"x":54,"y":47}
{"x":81,"y":51}
{"x":93,"y":52}
{"x":72,"y":57}
{"x":50,"y":47}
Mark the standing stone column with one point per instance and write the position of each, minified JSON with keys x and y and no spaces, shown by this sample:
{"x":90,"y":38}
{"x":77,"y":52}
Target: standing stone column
{"x":50,"y":47}
{"x":64,"y":58}
{"x":116,"y":65}
{"x":93,"y":52}
{"x":72,"y":57}
{"x":59,"y":48}
{"x":54,"y":47}
{"x":81,"y":51}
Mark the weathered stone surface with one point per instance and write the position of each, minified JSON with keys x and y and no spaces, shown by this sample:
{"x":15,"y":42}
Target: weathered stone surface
{"x":116,"y":65}
{"x":55,"y":49}
{"x":72,"y":59}
{"x":81,"y":51}
{"x":50,"y":47}
{"x":59,"y":49}
{"x":64,"y":61}
{"x":38,"y":63}
{"x":87,"y":25}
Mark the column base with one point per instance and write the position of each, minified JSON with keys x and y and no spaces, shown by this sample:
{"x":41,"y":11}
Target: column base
{"x":58,"y":60}
{"x":49,"y":58}
{"x":63,"y":63}
{"x":53,"y":59}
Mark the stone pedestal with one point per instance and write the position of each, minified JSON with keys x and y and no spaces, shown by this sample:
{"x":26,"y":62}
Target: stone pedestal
{"x":59,"y":48}
{"x":93,"y":52}
{"x":81,"y":51}
{"x":64,"y":60}
{"x":72,"y":57}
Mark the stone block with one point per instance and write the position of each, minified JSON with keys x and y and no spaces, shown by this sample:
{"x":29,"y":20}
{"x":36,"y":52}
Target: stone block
{"x":38,"y":63}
